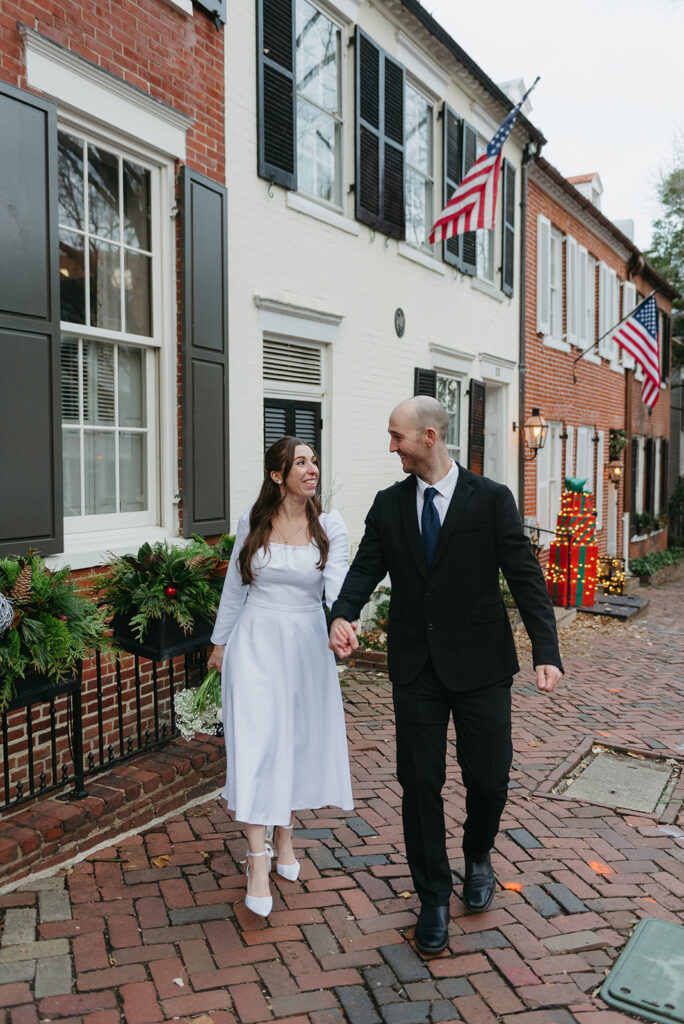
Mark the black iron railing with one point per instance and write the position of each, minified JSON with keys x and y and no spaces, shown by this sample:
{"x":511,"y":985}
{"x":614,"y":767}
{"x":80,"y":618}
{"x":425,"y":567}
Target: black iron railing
{"x":56,"y":737}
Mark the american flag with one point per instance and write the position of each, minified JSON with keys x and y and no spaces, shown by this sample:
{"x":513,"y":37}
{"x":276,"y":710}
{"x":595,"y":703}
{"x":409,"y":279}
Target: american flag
{"x":638,"y":335}
{"x":473,"y":204}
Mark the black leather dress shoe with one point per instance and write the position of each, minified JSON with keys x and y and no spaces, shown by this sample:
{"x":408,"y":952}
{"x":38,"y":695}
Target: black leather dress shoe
{"x":479,"y":885}
{"x":432,"y":930}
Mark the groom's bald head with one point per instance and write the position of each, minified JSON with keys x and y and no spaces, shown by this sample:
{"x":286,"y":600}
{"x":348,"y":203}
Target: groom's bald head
{"x":425,"y":412}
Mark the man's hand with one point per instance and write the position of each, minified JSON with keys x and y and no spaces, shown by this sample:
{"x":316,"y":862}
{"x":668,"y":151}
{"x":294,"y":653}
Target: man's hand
{"x":547,"y":677}
{"x":343,"y":637}
{"x":216,"y":657}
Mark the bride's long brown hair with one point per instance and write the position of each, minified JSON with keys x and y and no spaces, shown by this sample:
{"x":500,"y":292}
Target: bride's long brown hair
{"x":279,"y":458}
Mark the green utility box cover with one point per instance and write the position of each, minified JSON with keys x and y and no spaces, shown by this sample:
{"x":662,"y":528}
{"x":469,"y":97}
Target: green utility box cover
{"x":648,"y":976}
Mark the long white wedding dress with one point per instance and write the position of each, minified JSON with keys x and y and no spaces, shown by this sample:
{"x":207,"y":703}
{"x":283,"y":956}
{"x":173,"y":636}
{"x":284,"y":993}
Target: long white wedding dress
{"x":286,"y":744}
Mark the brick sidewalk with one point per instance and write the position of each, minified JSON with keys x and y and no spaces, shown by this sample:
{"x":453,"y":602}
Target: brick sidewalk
{"x":155,"y":928}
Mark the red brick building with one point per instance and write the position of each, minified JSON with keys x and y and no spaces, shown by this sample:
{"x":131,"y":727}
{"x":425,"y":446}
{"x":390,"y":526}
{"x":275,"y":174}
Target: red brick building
{"x":583,"y":275}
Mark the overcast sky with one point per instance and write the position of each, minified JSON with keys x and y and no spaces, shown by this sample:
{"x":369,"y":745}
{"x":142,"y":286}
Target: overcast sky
{"x":611,"y":95}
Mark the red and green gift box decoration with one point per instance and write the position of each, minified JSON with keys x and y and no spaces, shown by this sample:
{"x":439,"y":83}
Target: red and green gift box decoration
{"x":571,"y":573}
{"x":580,"y":526}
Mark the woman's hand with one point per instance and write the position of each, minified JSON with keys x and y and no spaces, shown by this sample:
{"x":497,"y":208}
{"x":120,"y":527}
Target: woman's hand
{"x":216,"y":657}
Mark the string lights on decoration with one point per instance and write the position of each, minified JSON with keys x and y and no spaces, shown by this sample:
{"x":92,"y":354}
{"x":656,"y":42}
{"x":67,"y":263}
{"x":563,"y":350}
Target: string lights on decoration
{"x":611,"y":574}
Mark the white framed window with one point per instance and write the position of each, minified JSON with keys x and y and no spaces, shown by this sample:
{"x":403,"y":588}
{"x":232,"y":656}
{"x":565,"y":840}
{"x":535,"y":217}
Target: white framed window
{"x":628,"y":294}
{"x":556,"y":286}
{"x":572,"y":290}
{"x":485,"y":238}
{"x":609,"y":311}
{"x":449,"y":394}
{"x":549,"y":481}
{"x":419,"y":187}
{"x":584,"y":456}
{"x":111,"y":323}
{"x":319,"y":104}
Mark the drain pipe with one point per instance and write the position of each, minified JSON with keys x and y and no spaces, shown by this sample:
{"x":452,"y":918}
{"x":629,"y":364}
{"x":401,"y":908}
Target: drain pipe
{"x":531,"y":152}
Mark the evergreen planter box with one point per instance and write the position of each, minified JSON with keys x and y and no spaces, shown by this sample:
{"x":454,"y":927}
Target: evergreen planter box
{"x":36,"y":688}
{"x":164,"y":638}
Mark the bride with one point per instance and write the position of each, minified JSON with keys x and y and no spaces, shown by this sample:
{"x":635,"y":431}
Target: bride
{"x":286,"y":745}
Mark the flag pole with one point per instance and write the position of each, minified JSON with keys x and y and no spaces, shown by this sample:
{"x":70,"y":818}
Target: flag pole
{"x":609,"y":331}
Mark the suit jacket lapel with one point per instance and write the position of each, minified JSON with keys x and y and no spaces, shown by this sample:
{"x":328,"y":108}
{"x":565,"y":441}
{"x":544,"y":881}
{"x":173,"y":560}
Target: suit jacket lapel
{"x":409,"y":517}
{"x":459,"y":499}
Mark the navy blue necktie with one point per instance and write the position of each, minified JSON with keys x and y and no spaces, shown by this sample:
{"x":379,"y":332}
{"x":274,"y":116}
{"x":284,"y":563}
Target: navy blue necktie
{"x":429,"y":524}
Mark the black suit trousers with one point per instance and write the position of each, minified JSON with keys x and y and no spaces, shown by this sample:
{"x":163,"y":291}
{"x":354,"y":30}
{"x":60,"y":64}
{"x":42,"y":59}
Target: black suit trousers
{"x":482,"y":719}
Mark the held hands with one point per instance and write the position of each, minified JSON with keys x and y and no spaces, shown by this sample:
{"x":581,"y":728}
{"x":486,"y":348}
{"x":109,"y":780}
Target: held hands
{"x":343,"y":637}
{"x":547,"y":677}
{"x":216,"y":657}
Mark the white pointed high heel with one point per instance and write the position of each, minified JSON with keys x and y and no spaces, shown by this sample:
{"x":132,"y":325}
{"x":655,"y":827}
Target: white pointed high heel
{"x":288,"y":871}
{"x":261,"y":905}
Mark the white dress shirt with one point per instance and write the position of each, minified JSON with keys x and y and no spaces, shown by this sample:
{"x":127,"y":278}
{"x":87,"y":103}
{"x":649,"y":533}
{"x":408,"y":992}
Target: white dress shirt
{"x":445,"y":489}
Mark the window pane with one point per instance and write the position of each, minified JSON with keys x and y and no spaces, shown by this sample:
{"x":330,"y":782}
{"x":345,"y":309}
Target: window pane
{"x":103,"y":193}
{"x":449,"y":395}
{"x":418,"y":131}
{"x":98,"y":384}
{"x":70,"y":396}
{"x":317,"y":57}
{"x":71,"y":472}
{"x":71,"y":277}
{"x":105,"y":285}
{"x":418,"y":207}
{"x":100,"y":475}
{"x":136,"y":188}
{"x":132,"y":472}
{"x":131,"y":387}
{"x":317,"y":142}
{"x":138,"y":282}
{"x":71,"y":183}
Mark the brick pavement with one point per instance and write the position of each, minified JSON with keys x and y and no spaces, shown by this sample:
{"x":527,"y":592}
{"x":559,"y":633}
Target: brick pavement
{"x":155,"y":928}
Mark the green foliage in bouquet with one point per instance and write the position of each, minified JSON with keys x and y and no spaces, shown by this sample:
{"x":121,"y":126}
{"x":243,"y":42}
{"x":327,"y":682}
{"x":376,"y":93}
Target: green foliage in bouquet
{"x":184,"y":582}
{"x":53,"y":626}
{"x":199,"y":711}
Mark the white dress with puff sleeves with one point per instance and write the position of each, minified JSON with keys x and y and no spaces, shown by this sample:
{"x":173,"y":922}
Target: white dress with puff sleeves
{"x":283,"y":721}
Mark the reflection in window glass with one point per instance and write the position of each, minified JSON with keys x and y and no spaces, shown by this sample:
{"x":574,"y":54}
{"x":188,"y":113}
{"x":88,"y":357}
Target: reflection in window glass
{"x":484,"y":238}
{"x":449,"y":395}
{"x":70,"y":189}
{"x":103,"y":193}
{"x":72,"y":285}
{"x":419,"y":183}
{"x":136,"y":187}
{"x":318,"y":104}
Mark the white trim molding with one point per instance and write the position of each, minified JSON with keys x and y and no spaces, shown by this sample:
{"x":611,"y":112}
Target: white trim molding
{"x":346,"y":11}
{"x":319,"y":211}
{"x":284,"y":319}
{"x":410,"y":252}
{"x":497,"y":368}
{"x":451,"y":360}
{"x":77,"y":84}
{"x":422,"y":68}
{"x":182,"y":6}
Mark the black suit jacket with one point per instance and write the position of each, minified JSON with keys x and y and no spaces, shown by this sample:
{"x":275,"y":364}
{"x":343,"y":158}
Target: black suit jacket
{"x":452,"y":612}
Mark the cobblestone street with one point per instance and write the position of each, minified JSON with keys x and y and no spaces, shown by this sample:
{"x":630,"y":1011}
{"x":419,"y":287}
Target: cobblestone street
{"x":154,"y":928}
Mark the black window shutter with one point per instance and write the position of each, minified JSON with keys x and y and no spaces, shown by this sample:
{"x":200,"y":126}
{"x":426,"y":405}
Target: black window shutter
{"x":453,"y":167}
{"x":664,"y":474}
{"x":649,"y":474}
{"x":425,"y":382}
{"x":508,"y":228}
{"x":469,"y":238}
{"x":31,"y":502}
{"x":276,"y":92}
{"x":379,"y":138}
{"x":476,"y":426}
{"x":665,"y":348}
{"x":633,"y":484}
{"x":298,"y":419}
{"x":205,"y":356}
{"x":216,"y":9}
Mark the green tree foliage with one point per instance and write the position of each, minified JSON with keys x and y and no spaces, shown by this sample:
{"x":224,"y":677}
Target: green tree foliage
{"x":667,"y":250}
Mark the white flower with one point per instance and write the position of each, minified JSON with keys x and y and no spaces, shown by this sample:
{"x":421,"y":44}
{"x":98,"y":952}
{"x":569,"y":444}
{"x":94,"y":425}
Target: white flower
{"x":190,"y":722}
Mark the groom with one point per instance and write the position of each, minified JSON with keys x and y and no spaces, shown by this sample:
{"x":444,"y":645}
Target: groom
{"x":442,"y":535}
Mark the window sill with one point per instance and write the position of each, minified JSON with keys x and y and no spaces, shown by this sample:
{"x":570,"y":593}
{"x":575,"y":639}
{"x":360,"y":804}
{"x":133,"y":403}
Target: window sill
{"x":425,"y":260}
{"x":557,"y":343}
{"x":487,"y":288}
{"x":184,"y":6}
{"x":616,"y":367}
{"x":319,"y":212}
{"x":85,"y":551}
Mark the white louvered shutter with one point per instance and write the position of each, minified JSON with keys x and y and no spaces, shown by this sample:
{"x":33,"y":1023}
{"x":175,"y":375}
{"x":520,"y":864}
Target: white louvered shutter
{"x":296,"y":364}
{"x":600,"y":470}
{"x":571,"y":292}
{"x":543,"y":275}
{"x":628,"y":304}
{"x":570,"y":451}
{"x":582,"y":258}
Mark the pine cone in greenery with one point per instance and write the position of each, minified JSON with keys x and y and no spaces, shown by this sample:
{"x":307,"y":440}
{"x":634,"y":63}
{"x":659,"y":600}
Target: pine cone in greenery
{"x":21,"y":591}
{"x":196,"y":562}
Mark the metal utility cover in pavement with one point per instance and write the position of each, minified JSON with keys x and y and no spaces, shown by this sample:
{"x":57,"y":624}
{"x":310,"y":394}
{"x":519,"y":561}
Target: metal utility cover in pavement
{"x":648,"y":976}
{"x":621,"y":781}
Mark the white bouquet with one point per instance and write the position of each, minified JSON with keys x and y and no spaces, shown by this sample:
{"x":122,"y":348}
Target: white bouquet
{"x":199,"y":710}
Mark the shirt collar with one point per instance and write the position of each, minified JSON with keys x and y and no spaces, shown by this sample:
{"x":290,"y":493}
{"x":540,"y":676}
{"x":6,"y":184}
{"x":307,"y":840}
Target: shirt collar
{"x":445,"y":486}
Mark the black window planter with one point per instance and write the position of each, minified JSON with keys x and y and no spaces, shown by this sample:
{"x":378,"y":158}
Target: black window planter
{"x":164,"y":638}
{"x":39,"y":689}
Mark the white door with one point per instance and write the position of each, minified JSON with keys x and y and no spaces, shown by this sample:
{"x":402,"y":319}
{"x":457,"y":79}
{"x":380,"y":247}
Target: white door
{"x":549,"y":482}
{"x":494,"y":436}
{"x":611,"y":532}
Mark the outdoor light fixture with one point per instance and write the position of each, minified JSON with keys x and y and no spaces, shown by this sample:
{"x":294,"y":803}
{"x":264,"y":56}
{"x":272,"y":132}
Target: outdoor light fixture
{"x":615,"y":471}
{"x":535,"y":430}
